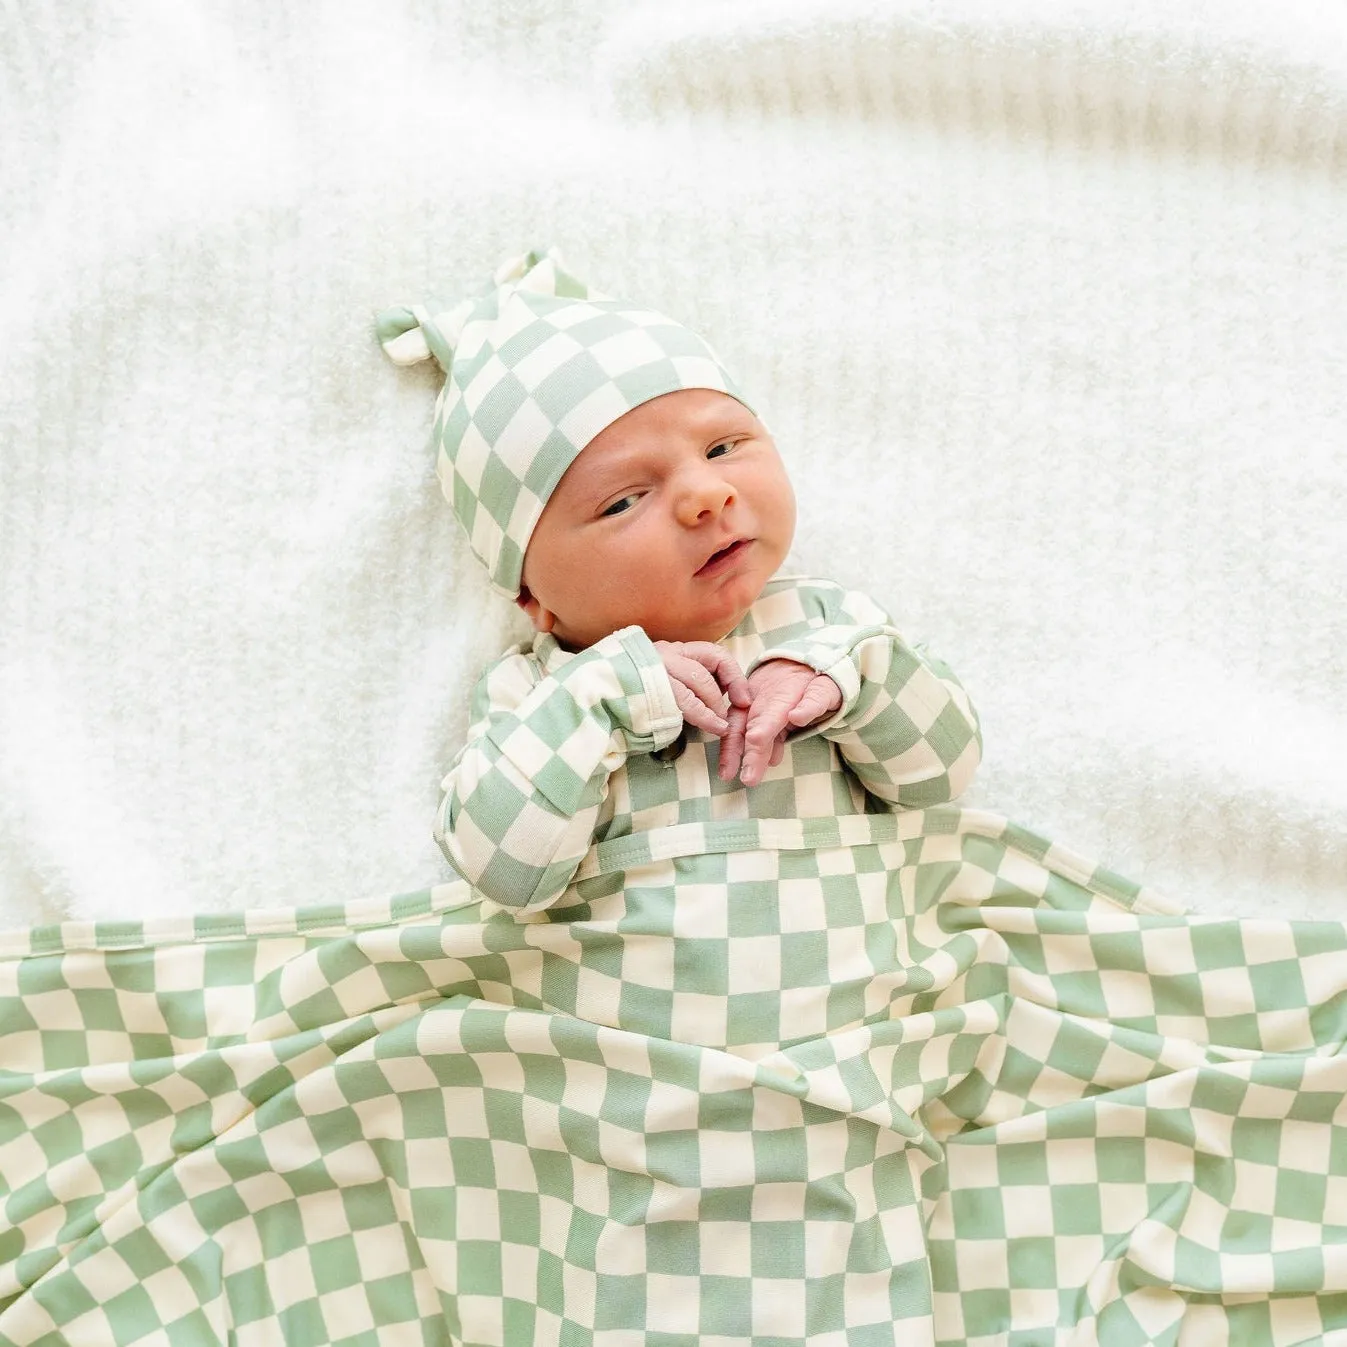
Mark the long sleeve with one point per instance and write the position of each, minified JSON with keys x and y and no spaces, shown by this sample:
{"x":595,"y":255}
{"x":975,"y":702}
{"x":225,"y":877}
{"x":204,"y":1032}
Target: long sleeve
{"x":906,"y":727}
{"x":522,"y":799}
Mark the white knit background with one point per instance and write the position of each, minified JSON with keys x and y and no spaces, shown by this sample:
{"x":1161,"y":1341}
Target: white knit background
{"x":1047,"y":300}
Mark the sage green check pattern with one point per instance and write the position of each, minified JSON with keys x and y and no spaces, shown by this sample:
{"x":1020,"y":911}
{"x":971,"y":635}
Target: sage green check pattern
{"x":536,"y":368}
{"x":914,"y":1078}
{"x":565,"y":749}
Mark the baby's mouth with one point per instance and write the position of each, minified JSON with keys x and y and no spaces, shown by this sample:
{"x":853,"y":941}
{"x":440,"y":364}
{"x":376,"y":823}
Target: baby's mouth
{"x":724,"y":555}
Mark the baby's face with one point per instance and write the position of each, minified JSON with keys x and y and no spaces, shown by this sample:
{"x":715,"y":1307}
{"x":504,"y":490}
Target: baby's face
{"x":673,"y":518}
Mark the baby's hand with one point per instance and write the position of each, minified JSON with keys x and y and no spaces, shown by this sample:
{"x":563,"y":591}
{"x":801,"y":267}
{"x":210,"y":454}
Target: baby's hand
{"x":786,"y":696}
{"x":708,"y":684}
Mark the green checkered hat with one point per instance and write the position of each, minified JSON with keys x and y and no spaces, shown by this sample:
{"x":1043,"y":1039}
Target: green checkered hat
{"x":537,"y":366}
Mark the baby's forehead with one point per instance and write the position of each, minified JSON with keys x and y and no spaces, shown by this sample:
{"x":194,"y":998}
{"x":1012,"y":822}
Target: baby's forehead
{"x":691,"y":413}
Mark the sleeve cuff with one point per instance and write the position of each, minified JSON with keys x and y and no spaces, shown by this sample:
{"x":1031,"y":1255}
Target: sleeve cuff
{"x":654,"y":720}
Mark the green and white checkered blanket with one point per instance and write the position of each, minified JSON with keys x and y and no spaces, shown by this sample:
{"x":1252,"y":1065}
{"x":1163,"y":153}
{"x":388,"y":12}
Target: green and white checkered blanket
{"x":914,"y":1078}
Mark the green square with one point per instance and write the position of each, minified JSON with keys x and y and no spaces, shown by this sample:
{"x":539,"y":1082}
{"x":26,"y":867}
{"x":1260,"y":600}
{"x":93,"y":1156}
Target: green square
{"x":626,"y":1098}
{"x":781,"y":1155}
{"x":142,"y":1253}
{"x":64,"y":1049}
{"x":987,"y":1312}
{"x":280,"y":1229}
{"x":1120,"y":951}
{"x":1076,"y":1051}
{"x":726,"y":1307}
{"x":504,"y":1111}
{"x":1117,"y":1159}
{"x":561,"y":390}
{"x":1300,"y":1196}
{"x":1033,"y":1263}
{"x":1295,"y":1269}
{"x":1075,"y":1209}
{"x":520,"y":1321}
{"x":229,"y":964}
{"x":1220,"y":1093}
{"x":302,"y":1325}
{"x":478,"y":1267}
{"x":551,"y":1281}
{"x":753,"y":1017}
{"x":554,"y":1174}
{"x":335,"y":1264}
{"x":1218,"y":944}
{"x":1023,"y":1164}
{"x":736,"y":1205}
{"x":1259,"y":1140}
{"x":520,"y":1218}
{"x":978,"y":1213}
{"x":619,"y":1303}
{"x":673,"y":1248}
{"x":249,"y":1295}
{"x":804,"y":959}
{"x":702,"y":966}
{"x":1236,"y":1031}
{"x":649,"y":1007}
{"x":582,"y":1238}
{"x":423,"y":1116}
{"x":369,"y":1206}
{"x":491,"y":416}
{"x":136,"y":970}
{"x":750,"y":907}
{"x":777,"y":1249}
{"x":472,"y":1163}
{"x":841,"y":900}
{"x":131,"y":1315}
{"x":846,"y":1004}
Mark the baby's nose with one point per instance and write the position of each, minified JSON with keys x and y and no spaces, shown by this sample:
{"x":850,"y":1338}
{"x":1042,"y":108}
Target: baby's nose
{"x":705,"y":495}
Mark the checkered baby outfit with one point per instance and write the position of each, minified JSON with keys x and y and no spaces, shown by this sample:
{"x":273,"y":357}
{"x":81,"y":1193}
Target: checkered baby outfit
{"x":775,"y":1068}
{"x":561,"y":753}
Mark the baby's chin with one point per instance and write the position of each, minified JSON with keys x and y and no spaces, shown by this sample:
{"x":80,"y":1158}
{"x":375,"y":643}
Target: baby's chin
{"x":707,"y":628}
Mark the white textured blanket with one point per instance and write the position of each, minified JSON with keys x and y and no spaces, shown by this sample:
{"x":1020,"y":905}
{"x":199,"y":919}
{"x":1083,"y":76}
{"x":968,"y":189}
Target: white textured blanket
{"x":1045,"y":298}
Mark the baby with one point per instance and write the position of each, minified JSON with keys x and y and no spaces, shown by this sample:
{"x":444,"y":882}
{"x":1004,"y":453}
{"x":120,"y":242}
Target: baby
{"x":620,"y":489}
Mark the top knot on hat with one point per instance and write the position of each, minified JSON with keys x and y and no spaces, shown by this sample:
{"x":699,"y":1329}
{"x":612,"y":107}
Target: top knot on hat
{"x":536,"y":366}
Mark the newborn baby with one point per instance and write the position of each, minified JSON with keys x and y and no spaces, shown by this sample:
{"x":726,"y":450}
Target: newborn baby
{"x":619,"y":487}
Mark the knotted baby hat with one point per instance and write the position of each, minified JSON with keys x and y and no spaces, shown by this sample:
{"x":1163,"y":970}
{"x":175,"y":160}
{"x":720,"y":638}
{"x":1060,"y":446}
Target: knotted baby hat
{"x":536,"y":367}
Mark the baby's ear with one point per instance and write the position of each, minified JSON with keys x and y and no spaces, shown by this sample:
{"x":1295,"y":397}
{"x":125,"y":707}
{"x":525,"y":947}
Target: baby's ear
{"x":542,"y":619}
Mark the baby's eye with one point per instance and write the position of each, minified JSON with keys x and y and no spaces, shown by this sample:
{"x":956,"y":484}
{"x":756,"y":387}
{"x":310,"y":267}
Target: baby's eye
{"x":716,"y":450}
{"x":618,"y":506}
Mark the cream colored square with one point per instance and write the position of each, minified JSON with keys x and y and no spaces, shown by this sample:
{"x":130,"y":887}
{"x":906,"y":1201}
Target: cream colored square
{"x":290,"y":1278}
{"x":346,"y":1312}
{"x":673,"y":1304}
{"x":754,"y":963}
{"x":697,"y":1017}
{"x":1072,"y":1161}
{"x":726,"y":1248}
{"x":778,"y":1307}
{"x":725,"y":1158}
{"x":982,"y":1264}
{"x":778,"y":1201}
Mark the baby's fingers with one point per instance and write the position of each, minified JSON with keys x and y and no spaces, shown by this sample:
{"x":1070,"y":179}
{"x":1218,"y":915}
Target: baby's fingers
{"x":693,"y":674}
{"x":723,"y":668}
{"x":821,"y":698}
{"x":732,"y":744}
{"x":695,"y":710}
{"x":766,"y":728}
